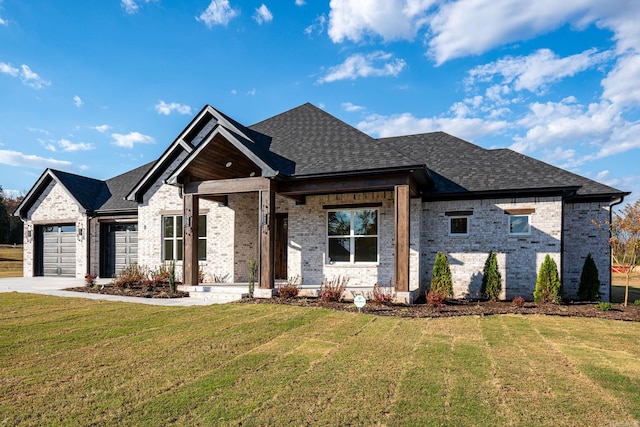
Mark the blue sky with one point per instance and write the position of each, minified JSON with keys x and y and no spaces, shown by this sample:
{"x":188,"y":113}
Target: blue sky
{"x":97,"y":88}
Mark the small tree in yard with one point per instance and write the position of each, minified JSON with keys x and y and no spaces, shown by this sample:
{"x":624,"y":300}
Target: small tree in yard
{"x":491,"y":278}
{"x":625,"y":242}
{"x":548,"y":285}
{"x":441,"y":281}
{"x":589,"y":289}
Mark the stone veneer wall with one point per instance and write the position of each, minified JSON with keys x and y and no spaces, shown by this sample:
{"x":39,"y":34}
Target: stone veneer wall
{"x":519,"y":257}
{"x":55,"y":206}
{"x":581,"y":237}
{"x":308,"y":241}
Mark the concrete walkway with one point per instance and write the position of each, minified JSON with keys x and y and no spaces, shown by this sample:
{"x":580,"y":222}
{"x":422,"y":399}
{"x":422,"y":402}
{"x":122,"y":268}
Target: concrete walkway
{"x":54,"y":286}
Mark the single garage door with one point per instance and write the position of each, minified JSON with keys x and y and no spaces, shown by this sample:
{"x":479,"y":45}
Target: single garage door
{"x":120,"y":248}
{"x":59,"y":250}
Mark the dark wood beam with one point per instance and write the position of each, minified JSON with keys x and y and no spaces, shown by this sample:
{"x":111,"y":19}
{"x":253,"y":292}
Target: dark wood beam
{"x":402,"y":233}
{"x":267,"y":217}
{"x":227,"y":186}
{"x":351,"y":184}
{"x":190,"y":240}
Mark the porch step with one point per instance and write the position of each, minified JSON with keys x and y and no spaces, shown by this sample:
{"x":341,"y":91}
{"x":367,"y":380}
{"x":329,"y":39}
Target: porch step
{"x":218,"y":294}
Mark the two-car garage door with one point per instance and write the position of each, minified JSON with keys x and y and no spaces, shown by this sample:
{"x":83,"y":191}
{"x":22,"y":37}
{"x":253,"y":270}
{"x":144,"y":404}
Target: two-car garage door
{"x":58,"y":250}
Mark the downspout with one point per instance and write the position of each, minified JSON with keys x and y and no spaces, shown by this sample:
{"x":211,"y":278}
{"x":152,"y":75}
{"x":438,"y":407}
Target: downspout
{"x":611,"y":222}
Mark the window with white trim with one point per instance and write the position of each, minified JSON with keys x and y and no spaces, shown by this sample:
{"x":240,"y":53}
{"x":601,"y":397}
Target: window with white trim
{"x":173,"y":237}
{"x":458,"y":225}
{"x":519,"y":224}
{"x":352,"y":236}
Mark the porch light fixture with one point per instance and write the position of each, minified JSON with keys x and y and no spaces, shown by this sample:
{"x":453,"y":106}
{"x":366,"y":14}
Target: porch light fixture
{"x":29,"y":233}
{"x":80,"y":232}
{"x":228,"y":165}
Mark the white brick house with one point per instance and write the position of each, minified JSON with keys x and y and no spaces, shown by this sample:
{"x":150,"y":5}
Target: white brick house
{"x":307,"y":195}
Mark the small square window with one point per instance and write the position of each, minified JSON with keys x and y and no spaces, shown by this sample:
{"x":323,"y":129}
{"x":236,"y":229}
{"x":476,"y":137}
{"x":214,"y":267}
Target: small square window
{"x":519,"y":224}
{"x":458,"y":226}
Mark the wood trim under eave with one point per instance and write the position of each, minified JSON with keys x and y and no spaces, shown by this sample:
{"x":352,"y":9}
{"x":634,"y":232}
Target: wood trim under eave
{"x":350,"y":184}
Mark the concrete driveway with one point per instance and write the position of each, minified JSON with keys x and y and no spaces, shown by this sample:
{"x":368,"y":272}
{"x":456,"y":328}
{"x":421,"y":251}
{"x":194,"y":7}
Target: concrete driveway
{"x":54,"y":286}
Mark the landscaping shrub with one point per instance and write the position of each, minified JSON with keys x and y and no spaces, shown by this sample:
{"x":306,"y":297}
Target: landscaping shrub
{"x":548,"y":285}
{"x":253,"y":273}
{"x":89,"y":280}
{"x":131,"y":276}
{"x":589,"y":289}
{"x":604,"y":306}
{"x":332,"y":290}
{"x":291,"y":288}
{"x":441,"y":281}
{"x":491,"y":278}
{"x":435,"y":299}
{"x":383,"y":295}
{"x":172,"y":276}
{"x":518,"y":302}
{"x":636,"y":302}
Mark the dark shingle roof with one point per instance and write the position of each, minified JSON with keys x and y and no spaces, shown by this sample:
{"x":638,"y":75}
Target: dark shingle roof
{"x":96,"y":195}
{"x":118,"y":187}
{"x":458,"y":166}
{"x":318,"y":143}
{"x":88,"y":192}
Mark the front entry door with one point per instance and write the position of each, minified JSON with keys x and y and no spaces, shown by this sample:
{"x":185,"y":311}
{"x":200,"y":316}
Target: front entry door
{"x":282,"y":241}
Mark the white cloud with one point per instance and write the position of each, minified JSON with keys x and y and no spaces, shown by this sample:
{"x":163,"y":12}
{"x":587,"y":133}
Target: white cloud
{"x":407,"y":124}
{"x":32,"y":79}
{"x":69,"y":146}
{"x":389,"y":19}
{"x":251,"y":92}
{"x":8,"y":69}
{"x":317,"y":27}
{"x":263,"y":14}
{"x":219,"y":12}
{"x":300,"y":2}
{"x":25,"y":74}
{"x":131,"y":6}
{"x":101,"y":128}
{"x":77,"y":101}
{"x":372,"y":65}
{"x":131,"y":138}
{"x":622,"y":84}
{"x":15,"y":158}
{"x":351,"y":108}
{"x":234,"y":91}
{"x":3,"y":21}
{"x":536,"y":71}
{"x":166,"y":109}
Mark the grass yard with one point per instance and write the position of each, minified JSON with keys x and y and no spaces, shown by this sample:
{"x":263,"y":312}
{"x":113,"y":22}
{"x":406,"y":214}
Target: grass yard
{"x":10,"y":261}
{"x":83,"y":362}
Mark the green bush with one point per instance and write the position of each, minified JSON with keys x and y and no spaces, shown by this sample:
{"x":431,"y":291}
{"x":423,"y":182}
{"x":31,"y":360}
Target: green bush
{"x":131,"y":276}
{"x":548,"y":285}
{"x":441,"y":281}
{"x":491,"y":278}
{"x":589,"y":289}
{"x":636,"y":302}
{"x":604,"y":306}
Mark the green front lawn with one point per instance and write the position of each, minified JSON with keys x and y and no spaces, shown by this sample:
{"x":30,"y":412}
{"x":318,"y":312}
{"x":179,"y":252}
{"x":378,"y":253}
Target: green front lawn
{"x":68,"y":361}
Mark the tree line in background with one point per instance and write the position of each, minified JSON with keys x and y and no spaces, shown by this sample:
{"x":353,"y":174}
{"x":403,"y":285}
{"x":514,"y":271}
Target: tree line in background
{"x":10,"y":226}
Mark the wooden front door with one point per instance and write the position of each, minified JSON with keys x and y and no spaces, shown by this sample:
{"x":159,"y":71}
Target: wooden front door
{"x":281,"y":244}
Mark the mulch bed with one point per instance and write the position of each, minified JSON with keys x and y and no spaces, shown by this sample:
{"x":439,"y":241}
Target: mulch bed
{"x":420,"y":310}
{"x":157,"y":292}
{"x":465,"y":308}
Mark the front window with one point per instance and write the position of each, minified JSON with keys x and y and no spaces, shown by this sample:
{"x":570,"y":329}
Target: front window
{"x":352,"y":236}
{"x":173,"y":237}
{"x":519,"y":224}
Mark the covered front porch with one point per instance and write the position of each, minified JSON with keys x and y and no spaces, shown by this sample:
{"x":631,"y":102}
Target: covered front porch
{"x":222,"y":167}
